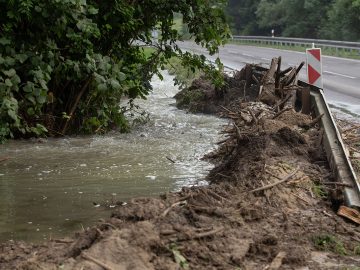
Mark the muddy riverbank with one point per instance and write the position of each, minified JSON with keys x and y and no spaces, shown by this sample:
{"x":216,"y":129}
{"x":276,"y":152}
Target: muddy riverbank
{"x":271,"y":204}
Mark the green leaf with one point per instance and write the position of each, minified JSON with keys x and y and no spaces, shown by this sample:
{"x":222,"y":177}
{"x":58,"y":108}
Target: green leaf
{"x":36,"y":92}
{"x":10,"y":73}
{"x":41,"y":99}
{"x":5,"y":41}
{"x":31,"y":99}
{"x":115,"y":84}
{"x":13,"y":115}
{"x":93,"y":10}
{"x":15,"y":80}
{"x":9,"y":61}
{"x":8,"y":83}
{"x":102,"y":87}
{"x":43,"y":84}
{"x":21,"y":57}
{"x":180,"y":259}
{"x":122,"y":76}
{"x":30,"y":111}
{"x":29,"y":87}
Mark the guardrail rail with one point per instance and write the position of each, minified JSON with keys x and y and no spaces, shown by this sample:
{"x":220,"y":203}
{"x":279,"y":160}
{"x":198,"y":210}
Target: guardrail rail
{"x":304,"y":42}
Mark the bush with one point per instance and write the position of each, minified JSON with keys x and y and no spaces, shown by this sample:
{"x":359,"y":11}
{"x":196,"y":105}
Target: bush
{"x":66,"y":64}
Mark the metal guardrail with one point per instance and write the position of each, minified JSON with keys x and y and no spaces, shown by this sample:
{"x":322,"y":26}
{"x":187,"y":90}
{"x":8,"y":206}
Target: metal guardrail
{"x":343,"y":45}
{"x":335,"y":150}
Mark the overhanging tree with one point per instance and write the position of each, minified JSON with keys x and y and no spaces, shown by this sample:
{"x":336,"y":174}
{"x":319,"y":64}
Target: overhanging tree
{"x":66,"y":64}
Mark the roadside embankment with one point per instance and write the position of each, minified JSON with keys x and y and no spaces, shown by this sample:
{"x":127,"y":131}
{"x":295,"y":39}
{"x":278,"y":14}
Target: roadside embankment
{"x":271,"y":202}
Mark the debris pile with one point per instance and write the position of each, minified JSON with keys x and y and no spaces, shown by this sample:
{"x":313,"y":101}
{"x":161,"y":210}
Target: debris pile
{"x":351,"y":136}
{"x":267,"y":206}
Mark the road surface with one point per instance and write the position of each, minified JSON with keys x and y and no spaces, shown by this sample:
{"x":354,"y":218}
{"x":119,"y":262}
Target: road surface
{"x":341,"y":76}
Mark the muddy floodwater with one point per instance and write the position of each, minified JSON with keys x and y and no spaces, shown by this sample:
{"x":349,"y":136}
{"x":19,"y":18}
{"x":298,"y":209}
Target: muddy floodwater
{"x":52,"y":187}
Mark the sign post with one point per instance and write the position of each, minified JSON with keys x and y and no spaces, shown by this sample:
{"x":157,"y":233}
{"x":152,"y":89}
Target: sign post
{"x":314,"y":67}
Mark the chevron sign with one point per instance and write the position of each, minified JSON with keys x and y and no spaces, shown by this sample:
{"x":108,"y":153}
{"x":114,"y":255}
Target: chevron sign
{"x":314,"y":67}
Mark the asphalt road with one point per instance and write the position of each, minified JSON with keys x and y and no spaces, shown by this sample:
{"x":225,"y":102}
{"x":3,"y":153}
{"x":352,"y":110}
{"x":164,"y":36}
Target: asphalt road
{"x":341,"y":77}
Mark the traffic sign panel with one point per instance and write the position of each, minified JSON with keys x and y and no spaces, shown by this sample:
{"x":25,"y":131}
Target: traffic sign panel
{"x":314,"y":67}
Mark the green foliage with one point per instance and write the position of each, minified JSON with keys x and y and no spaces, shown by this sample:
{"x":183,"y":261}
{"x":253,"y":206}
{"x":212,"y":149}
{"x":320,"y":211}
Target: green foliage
{"x":319,"y":190}
{"x":184,"y":75}
{"x":179,"y":259}
{"x":327,"y":242}
{"x":330,"y":19}
{"x":65,"y":65}
{"x":343,"y":21}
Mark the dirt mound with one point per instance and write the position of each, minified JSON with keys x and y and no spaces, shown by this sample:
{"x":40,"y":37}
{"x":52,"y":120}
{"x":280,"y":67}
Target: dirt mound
{"x":203,"y":97}
{"x":267,"y":207}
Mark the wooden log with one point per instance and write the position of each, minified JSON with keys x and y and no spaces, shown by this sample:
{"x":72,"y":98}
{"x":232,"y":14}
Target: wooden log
{"x":349,"y":213}
{"x":305,"y":101}
{"x":277,"y":75}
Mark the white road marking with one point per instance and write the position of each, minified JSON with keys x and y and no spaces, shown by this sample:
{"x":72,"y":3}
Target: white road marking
{"x":266,"y":59}
{"x":249,"y":55}
{"x":339,"y":74}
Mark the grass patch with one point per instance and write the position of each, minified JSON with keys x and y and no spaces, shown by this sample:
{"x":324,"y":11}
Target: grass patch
{"x":319,"y":191}
{"x":189,"y":100}
{"x":344,"y":53}
{"x":328,"y":242}
{"x":184,"y":76}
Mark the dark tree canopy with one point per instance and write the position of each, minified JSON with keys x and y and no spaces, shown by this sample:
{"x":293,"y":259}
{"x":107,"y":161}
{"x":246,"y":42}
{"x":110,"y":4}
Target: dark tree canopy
{"x":327,"y":19}
{"x":66,"y":64}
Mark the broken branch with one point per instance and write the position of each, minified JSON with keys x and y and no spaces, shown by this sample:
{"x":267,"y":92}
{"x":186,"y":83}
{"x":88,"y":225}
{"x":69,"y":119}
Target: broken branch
{"x":287,"y":178}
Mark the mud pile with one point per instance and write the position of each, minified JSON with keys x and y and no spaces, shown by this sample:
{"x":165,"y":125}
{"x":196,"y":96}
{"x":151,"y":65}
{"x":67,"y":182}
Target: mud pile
{"x":203,"y":97}
{"x":268,"y":207}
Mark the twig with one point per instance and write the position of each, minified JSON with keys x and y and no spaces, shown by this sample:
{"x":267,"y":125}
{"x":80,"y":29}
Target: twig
{"x":277,"y":261}
{"x":110,"y":225}
{"x":238,"y":131}
{"x":223,"y":175}
{"x":287,"y":178}
{"x":282,"y":102}
{"x":226,"y":109}
{"x":285,"y":71}
{"x":354,"y":140}
{"x":103,"y":265}
{"x":223,"y":141}
{"x":206,"y":234}
{"x":281,"y":112}
{"x":354,"y":149}
{"x":273,"y":175}
{"x":167,"y":210}
{"x":253,"y":116}
{"x":317,"y":119}
{"x":336,"y":184}
{"x":217,"y":196}
{"x":74,"y":106}
{"x":351,"y":129}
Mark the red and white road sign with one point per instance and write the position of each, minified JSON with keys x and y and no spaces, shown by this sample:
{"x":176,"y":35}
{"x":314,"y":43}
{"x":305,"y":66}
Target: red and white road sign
{"x":314,"y":67}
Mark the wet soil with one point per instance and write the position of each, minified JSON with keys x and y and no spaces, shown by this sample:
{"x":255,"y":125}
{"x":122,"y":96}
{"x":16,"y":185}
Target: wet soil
{"x":266,"y":207}
{"x":203,"y":97}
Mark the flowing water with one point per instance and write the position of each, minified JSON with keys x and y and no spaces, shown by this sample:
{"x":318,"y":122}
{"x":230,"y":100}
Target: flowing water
{"x":50,"y":188}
